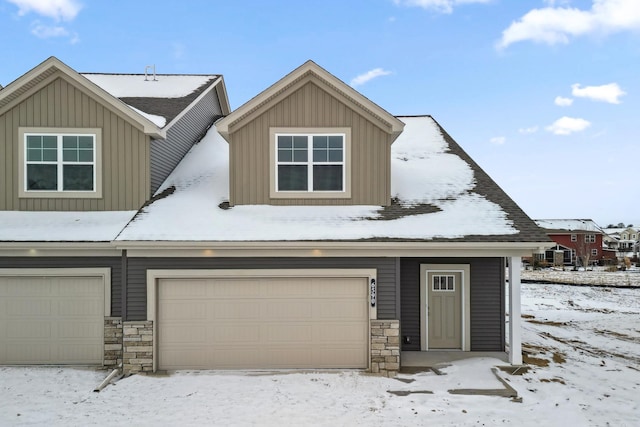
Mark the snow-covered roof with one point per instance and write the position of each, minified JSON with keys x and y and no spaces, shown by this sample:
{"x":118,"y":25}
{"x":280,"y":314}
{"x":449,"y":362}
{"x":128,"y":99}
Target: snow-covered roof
{"x":135,"y":85}
{"x":18,"y":226}
{"x":434,"y":184}
{"x":569,"y":225}
{"x":159,"y":98}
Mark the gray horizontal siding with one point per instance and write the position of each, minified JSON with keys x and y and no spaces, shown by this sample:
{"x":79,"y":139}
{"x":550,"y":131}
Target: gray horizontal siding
{"x":137,"y":277}
{"x":167,"y":153}
{"x":487,"y":295}
{"x":114,"y":263}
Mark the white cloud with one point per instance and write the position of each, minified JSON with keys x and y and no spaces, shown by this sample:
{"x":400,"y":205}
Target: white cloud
{"x":553,"y":25}
{"x":532,"y":129}
{"x":369,"y":75}
{"x":60,"y":10}
{"x":443,"y":6}
{"x":568,"y":125}
{"x":606,"y":93}
{"x":46,"y":31}
{"x":498,"y":140}
{"x":563,"y":102}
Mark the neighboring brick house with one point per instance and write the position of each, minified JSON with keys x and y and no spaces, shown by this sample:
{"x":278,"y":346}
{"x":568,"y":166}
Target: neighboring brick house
{"x":309,"y":228}
{"x":579,"y":242}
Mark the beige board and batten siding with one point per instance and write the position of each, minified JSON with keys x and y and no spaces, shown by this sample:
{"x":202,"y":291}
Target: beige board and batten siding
{"x":57,"y":103}
{"x":310,"y":106}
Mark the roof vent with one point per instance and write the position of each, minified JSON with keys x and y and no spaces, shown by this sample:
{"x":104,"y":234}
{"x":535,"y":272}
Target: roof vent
{"x":146,"y":72}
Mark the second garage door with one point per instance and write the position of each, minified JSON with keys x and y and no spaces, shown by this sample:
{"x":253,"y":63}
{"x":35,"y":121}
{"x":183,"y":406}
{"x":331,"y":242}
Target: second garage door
{"x":258,"y":323}
{"x":51,"y":320}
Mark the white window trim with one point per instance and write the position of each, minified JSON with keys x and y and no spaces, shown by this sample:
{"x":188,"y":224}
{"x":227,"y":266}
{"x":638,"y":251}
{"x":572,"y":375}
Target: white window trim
{"x":574,"y":238}
{"x":59,"y":194}
{"x":594,"y":252}
{"x":589,"y":238}
{"x":310,"y":194}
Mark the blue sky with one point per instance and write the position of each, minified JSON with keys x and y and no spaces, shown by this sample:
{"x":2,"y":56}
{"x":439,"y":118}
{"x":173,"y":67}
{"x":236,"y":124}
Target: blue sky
{"x":543,"y":94}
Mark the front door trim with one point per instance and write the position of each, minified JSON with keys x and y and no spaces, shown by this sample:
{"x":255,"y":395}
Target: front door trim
{"x":464,"y":271}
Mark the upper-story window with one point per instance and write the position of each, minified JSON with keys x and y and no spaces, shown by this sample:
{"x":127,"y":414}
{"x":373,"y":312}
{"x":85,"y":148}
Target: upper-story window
{"x":310,"y":163}
{"x":60,"y":163}
{"x":574,"y":238}
{"x":590,"y":238}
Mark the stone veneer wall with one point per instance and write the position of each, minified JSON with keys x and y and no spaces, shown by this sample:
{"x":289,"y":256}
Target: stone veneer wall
{"x":385,"y":347}
{"x":137,"y":342}
{"x":112,"y":342}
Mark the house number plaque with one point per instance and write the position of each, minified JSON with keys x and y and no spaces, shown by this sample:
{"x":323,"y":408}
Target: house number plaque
{"x":373,"y":292}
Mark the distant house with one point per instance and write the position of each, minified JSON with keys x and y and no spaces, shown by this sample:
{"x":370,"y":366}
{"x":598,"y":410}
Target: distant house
{"x":309,"y":228}
{"x":624,"y":240}
{"x":578,"y":242}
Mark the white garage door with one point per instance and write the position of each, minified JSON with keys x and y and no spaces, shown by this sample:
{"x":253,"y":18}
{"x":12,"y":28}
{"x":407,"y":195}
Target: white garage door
{"x":51,"y":320}
{"x":262,"y":323}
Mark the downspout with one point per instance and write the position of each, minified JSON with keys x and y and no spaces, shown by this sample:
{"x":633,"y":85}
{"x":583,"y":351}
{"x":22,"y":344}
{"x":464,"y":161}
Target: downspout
{"x":107,"y":380}
{"x":124,"y":274}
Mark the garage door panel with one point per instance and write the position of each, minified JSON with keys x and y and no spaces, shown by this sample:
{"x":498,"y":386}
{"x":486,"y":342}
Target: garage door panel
{"x":330,"y":309}
{"x":29,"y":353}
{"x":184,"y":310}
{"x":268,"y":322}
{"x":235,"y":310}
{"x":289,"y":310}
{"x":343,"y":333}
{"x":288,"y":288}
{"x":180,"y":334}
{"x":75,"y":330}
{"x":234,"y":288}
{"x":288,"y":333}
{"x":52,"y":320}
{"x":79,"y":307}
{"x":340,"y":288}
{"x":29,"y":329}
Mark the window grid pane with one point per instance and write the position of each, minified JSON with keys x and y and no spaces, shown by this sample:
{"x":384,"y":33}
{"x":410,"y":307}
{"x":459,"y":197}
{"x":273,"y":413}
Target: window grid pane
{"x":322,"y":157}
{"x":443,"y":283}
{"x":60,"y":162}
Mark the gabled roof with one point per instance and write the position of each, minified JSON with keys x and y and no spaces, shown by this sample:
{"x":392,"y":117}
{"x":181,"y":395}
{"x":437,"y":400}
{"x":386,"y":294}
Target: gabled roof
{"x":310,"y":71}
{"x":52,"y":66}
{"x":162,"y":97}
{"x":568,"y":225}
{"x":440,"y":195}
{"x":153,"y":104}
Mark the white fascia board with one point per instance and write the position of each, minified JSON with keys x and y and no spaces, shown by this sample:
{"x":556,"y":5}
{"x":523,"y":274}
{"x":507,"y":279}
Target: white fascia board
{"x":58,"y":249}
{"x":329,"y":249}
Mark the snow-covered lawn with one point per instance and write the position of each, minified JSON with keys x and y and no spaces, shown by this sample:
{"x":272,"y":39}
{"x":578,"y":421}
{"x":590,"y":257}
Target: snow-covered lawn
{"x":583,"y":344}
{"x":597,"y":277}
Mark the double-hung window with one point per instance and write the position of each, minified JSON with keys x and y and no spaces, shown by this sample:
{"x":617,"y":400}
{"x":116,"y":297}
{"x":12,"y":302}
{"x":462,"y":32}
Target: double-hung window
{"x":60,"y":163}
{"x":310,"y":162}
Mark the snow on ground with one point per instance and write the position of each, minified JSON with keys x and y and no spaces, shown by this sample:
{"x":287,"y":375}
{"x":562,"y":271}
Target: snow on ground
{"x":583,"y":344}
{"x":597,"y":277}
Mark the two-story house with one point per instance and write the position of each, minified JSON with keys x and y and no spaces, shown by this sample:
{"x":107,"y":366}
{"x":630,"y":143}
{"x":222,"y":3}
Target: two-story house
{"x":579,"y":242}
{"x":309,"y":228}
